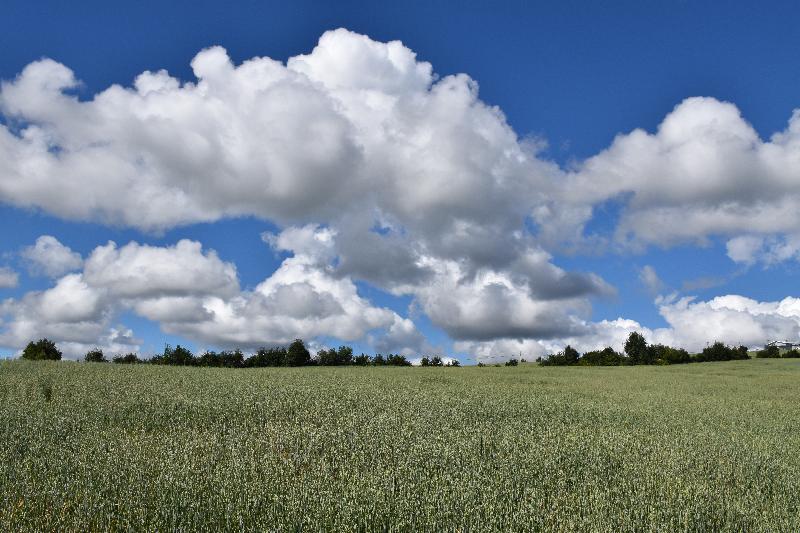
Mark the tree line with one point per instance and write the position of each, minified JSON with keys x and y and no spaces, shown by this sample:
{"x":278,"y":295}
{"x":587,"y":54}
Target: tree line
{"x":296,"y":354}
{"x":638,"y":352}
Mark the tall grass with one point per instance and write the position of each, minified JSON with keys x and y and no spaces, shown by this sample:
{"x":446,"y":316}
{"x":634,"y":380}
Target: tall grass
{"x":686,"y":448}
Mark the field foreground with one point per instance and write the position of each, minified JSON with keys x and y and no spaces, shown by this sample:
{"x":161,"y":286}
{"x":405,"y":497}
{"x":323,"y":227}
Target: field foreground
{"x":712,"y":446}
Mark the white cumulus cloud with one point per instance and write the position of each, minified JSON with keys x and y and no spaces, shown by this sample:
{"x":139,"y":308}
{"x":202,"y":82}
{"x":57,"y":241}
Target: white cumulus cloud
{"x":49,"y":257}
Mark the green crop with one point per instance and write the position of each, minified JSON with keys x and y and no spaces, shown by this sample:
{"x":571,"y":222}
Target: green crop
{"x":704,"y":447}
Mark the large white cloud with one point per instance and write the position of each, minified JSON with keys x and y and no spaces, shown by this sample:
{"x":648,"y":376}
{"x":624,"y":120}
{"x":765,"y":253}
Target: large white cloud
{"x":354,"y":121}
{"x":140,"y":271}
{"x":71,"y":312}
{"x":192,"y":292}
{"x":705,"y":172}
{"x":302,"y":298}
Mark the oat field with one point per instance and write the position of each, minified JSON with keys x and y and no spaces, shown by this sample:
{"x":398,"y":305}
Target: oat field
{"x":702,"y":447}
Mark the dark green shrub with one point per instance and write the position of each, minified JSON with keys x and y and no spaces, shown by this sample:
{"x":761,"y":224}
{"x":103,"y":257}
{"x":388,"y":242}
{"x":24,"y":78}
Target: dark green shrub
{"x":604,"y":357}
{"x":95,"y":356}
{"x":41,"y":350}
{"x":342,"y":356}
{"x":267,"y":357}
{"x":569,"y":356}
{"x":770,"y":352}
{"x":361,"y":360}
{"x":397,"y":360}
{"x":127,"y":359}
{"x":661,"y":354}
{"x":224,"y":359}
{"x":178,"y":356}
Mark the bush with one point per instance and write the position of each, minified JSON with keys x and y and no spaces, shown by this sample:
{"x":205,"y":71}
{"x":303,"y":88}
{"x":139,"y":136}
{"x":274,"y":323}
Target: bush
{"x":342,"y":356}
{"x":661,"y":354}
{"x":178,"y":356}
{"x":397,"y":360}
{"x":569,"y":356}
{"x":721,"y":352}
{"x":361,"y":360}
{"x":512,"y":362}
{"x":770,"y":352}
{"x":267,"y":357}
{"x":41,"y":350}
{"x":224,"y":359}
{"x":791,"y":354}
{"x":127,"y":359}
{"x":95,"y":356}
{"x":604,"y":357}
{"x":436,"y":361}
{"x":454,"y":363}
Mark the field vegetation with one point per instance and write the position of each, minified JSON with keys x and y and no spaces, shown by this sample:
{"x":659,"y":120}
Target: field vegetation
{"x":700,"y":447}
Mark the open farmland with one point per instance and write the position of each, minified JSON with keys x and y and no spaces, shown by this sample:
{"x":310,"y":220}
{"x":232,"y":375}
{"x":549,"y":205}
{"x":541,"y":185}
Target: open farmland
{"x":708,"y":446}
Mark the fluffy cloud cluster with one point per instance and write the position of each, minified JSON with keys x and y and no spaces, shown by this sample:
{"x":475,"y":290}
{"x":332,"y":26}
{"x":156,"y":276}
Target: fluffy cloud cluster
{"x":194,"y":293}
{"x":353,"y":123}
{"x":705,"y":172}
{"x":51,"y":258}
{"x":377,"y":170}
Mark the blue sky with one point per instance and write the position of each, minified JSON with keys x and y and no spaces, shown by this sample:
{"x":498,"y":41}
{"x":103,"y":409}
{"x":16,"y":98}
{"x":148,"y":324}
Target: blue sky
{"x":683,"y":231}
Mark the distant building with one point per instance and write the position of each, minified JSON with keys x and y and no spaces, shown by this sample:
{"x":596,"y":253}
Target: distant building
{"x":783,"y":346}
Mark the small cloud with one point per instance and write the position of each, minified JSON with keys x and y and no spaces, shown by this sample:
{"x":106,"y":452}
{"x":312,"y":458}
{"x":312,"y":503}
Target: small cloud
{"x":8,"y":278}
{"x":649,"y":278}
{"x":705,"y":282}
{"x":50,"y":258}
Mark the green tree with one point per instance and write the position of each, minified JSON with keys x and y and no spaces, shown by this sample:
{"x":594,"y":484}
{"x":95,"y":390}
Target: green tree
{"x":571,"y":355}
{"x":604,"y":357}
{"x":41,"y":350}
{"x":178,"y":356}
{"x":297,"y":354}
{"x":636,"y":349}
{"x":342,"y":356}
{"x":95,"y":356}
{"x":267,"y":357}
{"x":397,"y":360}
{"x":361,"y":360}
{"x":719,"y":352}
